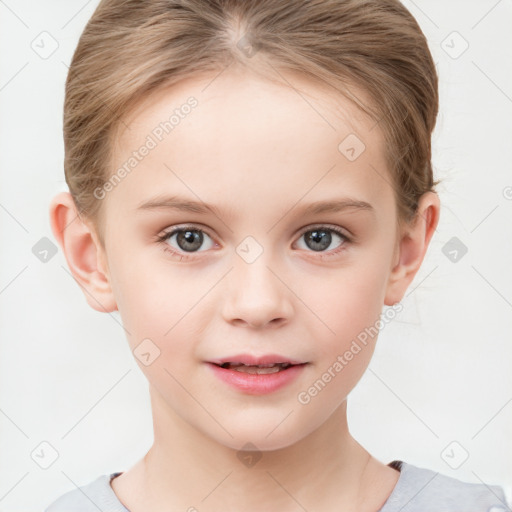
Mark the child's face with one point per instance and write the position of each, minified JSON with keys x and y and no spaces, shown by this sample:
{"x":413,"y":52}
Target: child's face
{"x":259,"y":153}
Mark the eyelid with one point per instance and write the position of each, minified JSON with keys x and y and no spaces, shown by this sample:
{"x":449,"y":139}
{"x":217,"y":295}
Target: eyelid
{"x":196,"y":256}
{"x":201,"y":227}
{"x":184,"y":227}
{"x":338,"y":229}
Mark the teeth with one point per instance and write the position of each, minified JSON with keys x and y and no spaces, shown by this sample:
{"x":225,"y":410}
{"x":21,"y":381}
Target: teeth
{"x":256,"y":369}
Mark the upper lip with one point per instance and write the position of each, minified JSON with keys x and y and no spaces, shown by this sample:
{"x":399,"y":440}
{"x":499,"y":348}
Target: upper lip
{"x":251,"y":360}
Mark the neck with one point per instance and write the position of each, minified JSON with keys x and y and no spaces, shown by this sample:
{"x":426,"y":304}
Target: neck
{"x":185,"y":469}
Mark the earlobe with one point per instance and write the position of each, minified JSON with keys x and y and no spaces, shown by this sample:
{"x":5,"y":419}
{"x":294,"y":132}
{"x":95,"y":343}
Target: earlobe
{"x":83,"y":253}
{"x":413,"y":246}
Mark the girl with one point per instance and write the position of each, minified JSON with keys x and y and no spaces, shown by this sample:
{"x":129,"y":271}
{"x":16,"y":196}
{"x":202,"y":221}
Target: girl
{"x":250,"y":183}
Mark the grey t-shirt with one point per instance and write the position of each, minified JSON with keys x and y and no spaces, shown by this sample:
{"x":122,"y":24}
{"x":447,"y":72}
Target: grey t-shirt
{"x":417,"y":490}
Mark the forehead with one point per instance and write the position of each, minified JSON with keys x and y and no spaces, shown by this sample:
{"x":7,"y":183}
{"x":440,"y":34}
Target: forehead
{"x":249,"y":132}
{"x":233,"y":96}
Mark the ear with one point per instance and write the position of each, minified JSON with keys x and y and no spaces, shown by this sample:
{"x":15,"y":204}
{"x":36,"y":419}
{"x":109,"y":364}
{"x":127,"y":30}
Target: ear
{"x":84,"y":254}
{"x":412,"y":246}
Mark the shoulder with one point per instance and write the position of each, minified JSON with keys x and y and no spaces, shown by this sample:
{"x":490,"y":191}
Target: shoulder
{"x":426,"y":490}
{"x":94,"y":496}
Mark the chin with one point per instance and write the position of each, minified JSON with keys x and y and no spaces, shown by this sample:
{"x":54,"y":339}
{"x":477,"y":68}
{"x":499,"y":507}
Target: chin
{"x":259,"y":438}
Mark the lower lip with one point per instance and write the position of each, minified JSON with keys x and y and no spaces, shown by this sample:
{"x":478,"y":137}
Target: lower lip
{"x":257,"y":384}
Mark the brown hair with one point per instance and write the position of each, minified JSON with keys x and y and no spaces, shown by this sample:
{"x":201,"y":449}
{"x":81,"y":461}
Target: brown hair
{"x":130,"y":48}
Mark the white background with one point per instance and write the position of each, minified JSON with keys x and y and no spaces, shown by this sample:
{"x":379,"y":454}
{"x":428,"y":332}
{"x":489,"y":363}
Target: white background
{"x":441,"y":371}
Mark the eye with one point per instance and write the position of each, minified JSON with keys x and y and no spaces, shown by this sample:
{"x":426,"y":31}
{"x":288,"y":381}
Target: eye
{"x":187,"y":239}
{"x":320,"y":238}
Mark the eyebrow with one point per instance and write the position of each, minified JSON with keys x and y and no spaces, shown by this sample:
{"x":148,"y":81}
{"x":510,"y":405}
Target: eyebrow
{"x":184,"y":204}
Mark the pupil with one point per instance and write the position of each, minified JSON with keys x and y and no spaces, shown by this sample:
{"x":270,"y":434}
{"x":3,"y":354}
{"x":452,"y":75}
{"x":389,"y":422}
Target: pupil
{"x":194,"y":238}
{"x":319,"y":239}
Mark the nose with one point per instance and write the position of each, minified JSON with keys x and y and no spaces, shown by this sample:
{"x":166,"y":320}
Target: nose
{"x":256,"y":294}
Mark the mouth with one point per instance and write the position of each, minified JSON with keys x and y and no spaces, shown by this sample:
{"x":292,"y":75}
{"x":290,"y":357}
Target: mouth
{"x":257,"y":374}
{"x":260,"y":369}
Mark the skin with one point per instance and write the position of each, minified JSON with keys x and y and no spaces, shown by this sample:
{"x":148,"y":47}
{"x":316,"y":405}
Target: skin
{"x":259,"y":151}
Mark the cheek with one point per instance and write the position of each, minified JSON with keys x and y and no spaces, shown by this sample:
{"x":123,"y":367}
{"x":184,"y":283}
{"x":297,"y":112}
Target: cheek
{"x":159,"y":301}
{"x":349,"y":306}
{"x":145,"y":297}
{"x":345,"y":302}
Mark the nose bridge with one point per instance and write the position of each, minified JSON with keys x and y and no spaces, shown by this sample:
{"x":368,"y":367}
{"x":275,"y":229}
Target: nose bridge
{"x":255,"y":294}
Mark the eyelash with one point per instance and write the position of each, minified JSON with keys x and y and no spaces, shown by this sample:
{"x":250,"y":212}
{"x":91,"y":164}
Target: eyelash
{"x":323,"y":255}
